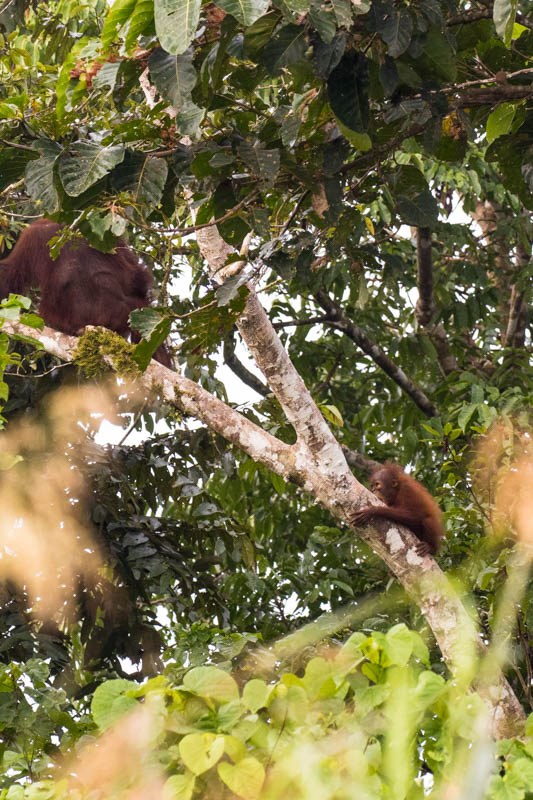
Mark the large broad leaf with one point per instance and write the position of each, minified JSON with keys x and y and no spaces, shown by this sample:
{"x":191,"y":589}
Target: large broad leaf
{"x":343,"y":13}
{"x":143,"y":177}
{"x":145,"y":320}
{"x":398,"y":644}
{"x":188,"y":120}
{"x":107,"y":75}
{"x":348,"y":92}
{"x":327,"y":56}
{"x":201,"y":751}
{"x":396,"y":29}
{"x":118,"y":15}
{"x":234,"y":229}
{"x":110,"y":702}
{"x":504,"y":14}
{"x":40,"y":177}
{"x":440,"y":52}
{"x":259,"y":34}
{"x":63,"y":84}
{"x":174,"y":76}
{"x":85,"y":163}
{"x":429,"y":688}
{"x":229,"y":290}
{"x":211,"y":682}
{"x":264,"y":163}
{"x":298,"y":6}
{"x":255,"y":694}
{"x":286,"y":47}
{"x":500,"y":121}
{"x":179,"y":787}
{"x":145,"y":350}
{"x":246,"y":11}
{"x":245,"y":778}
{"x":322,"y":17}
{"x":420,"y":210}
{"x":175,"y":23}
{"x":141,"y":22}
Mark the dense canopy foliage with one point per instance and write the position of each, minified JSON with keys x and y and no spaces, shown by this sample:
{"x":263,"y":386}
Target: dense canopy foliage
{"x":372,"y":163}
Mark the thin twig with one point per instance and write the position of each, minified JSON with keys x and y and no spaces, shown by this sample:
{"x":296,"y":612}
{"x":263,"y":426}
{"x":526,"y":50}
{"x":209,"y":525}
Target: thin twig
{"x":134,"y":423}
{"x":299,"y":322}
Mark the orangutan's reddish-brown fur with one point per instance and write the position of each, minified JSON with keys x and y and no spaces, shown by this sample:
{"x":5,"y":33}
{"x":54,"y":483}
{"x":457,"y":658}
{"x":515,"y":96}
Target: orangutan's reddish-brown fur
{"x":408,"y":503}
{"x":82,"y":286}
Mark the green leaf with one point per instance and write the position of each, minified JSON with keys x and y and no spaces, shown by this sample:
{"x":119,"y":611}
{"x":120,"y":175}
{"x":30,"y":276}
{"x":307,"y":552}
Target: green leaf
{"x":107,"y":75}
{"x":264,"y":163}
{"x":419,"y":210}
{"x":361,"y":141}
{"x":211,"y":682}
{"x":327,"y":56}
{"x":504,"y":15}
{"x":179,"y":787}
{"x":145,"y":350}
{"x":245,"y":778}
{"x":32,"y":321}
{"x":110,"y":702}
{"x":286,"y":47}
{"x":9,"y":111}
{"x":174,"y":76}
{"x":255,"y":694}
{"x":201,"y":751}
{"x":348,"y":91}
{"x":118,"y":15}
{"x":322,"y":17}
{"x":39,"y":177}
{"x":246,"y":11}
{"x":145,"y":320}
{"x":229,"y":290}
{"x":398,"y":644}
{"x":141,"y":23}
{"x":500,"y":120}
{"x":361,"y":6}
{"x":298,"y":6}
{"x":63,"y":89}
{"x":259,"y":34}
{"x":332,"y":414}
{"x":15,"y":792}
{"x":85,"y":163}
{"x":429,"y":688}
{"x":209,"y":325}
{"x":396,"y":30}
{"x":188,"y":119}
{"x":176,"y":22}
{"x":343,"y":13}
{"x":523,"y":767}
{"x":7,"y":460}
{"x":439,"y":51}
{"x":465,"y":415}
{"x":278,"y":483}
{"x":143,"y":177}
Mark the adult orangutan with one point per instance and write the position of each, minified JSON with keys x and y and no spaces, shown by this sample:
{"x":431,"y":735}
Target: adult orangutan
{"x":82,"y":286}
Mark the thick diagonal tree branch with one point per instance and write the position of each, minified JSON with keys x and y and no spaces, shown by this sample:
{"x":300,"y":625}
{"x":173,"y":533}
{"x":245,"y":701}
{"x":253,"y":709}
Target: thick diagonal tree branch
{"x":238,"y":368}
{"x":358,"y":460}
{"x":340,"y":321}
